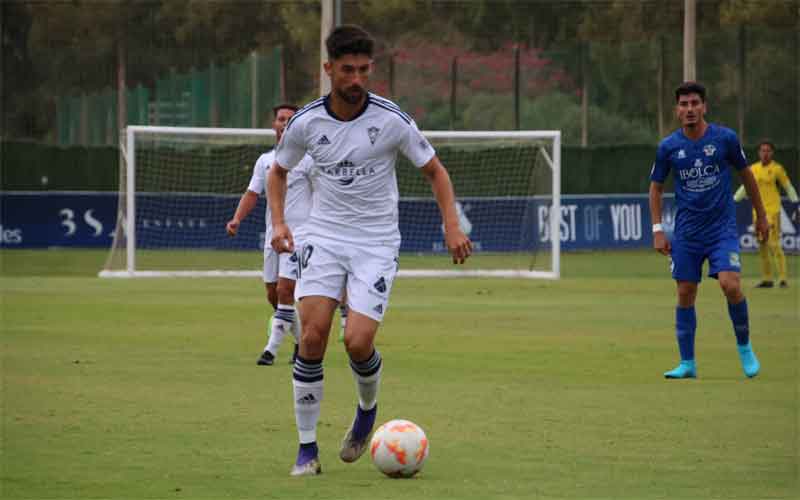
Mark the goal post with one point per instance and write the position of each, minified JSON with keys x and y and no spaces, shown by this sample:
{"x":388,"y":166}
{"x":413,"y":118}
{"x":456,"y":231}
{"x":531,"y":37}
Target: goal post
{"x":180,"y":185}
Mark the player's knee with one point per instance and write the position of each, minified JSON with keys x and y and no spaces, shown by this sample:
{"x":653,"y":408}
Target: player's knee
{"x":313,"y":336}
{"x":686,"y":294}
{"x":285,"y":292}
{"x":358,"y":347}
{"x":731,"y":286}
{"x":272,"y":295}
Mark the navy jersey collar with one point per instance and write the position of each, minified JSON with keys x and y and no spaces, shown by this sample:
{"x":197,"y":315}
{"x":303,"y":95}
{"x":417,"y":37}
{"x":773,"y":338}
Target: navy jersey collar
{"x":326,"y":101}
{"x":706,"y":134}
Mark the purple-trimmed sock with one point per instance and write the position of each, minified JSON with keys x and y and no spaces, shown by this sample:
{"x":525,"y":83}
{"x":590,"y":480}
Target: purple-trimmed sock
{"x":306,"y":453}
{"x":365,"y":419}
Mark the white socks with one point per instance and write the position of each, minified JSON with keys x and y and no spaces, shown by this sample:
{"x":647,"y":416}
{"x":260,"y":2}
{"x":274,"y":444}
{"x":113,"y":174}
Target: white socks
{"x":282,"y":323}
{"x":307,"y":383}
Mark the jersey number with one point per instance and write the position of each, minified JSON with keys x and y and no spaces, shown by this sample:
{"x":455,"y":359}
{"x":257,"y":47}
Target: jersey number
{"x":305,"y":255}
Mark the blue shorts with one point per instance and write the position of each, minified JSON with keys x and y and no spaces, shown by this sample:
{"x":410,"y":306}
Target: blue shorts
{"x":688,"y":256}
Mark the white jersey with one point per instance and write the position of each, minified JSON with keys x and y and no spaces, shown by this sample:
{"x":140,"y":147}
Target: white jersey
{"x":298,"y":191}
{"x":354,"y":180}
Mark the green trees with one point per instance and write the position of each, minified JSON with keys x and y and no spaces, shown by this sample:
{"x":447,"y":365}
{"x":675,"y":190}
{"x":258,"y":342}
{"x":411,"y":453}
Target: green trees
{"x":626,"y":55}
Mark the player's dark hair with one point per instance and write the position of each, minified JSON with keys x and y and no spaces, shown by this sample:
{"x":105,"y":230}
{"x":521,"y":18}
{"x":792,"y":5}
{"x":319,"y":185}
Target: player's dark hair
{"x":767,"y":142}
{"x":349,"y":39}
{"x":283,"y":106}
{"x":687,"y":88}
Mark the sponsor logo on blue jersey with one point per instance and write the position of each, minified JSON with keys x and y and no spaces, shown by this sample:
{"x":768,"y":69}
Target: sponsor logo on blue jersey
{"x":699,"y":177}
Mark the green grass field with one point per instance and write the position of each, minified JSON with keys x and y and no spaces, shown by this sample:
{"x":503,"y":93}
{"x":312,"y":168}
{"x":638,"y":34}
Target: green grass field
{"x":148,"y":389}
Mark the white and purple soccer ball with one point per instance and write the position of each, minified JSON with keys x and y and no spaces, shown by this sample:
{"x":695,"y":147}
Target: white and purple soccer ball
{"x":399,"y":448}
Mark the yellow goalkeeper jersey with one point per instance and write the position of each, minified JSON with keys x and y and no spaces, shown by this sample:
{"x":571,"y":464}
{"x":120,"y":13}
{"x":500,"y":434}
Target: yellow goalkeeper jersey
{"x":767,"y":176}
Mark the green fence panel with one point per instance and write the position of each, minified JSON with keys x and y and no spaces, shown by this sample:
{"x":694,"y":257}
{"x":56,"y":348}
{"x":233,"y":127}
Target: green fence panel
{"x":200,"y":98}
{"x":30,"y":166}
{"x":594,"y":170}
{"x":138,"y":100}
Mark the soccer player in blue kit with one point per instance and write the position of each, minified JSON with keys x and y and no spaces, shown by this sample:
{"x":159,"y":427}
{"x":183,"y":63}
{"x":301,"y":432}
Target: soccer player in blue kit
{"x":702,"y":155}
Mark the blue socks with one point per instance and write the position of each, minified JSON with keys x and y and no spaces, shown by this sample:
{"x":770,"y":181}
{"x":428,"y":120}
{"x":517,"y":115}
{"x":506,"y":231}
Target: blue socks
{"x":741,"y":323}
{"x":685,"y":327}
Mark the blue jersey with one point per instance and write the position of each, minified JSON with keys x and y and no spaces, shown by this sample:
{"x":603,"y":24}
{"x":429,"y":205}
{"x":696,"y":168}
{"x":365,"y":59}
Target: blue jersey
{"x":702,"y":172}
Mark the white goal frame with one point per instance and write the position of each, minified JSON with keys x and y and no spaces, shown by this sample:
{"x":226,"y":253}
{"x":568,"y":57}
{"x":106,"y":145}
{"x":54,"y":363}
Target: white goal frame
{"x":128,"y":155}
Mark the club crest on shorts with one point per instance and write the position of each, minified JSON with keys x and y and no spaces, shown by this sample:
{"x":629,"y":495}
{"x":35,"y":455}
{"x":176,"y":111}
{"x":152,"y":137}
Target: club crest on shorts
{"x":373,"y":132}
{"x":733,"y":258}
{"x":380,"y":285}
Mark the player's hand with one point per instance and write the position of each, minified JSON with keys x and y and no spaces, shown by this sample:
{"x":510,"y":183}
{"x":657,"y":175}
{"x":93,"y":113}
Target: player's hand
{"x":762,"y":228}
{"x":282,"y":240}
{"x":458,"y":244}
{"x":232,"y":227}
{"x":661,"y":243}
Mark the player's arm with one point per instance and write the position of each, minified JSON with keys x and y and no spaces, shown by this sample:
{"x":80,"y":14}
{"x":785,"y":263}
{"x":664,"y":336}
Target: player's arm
{"x":246,"y":204}
{"x":656,"y":196}
{"x":750,"y":185}
{"x":458,"y":243}
{"x":786,"y":184}
{"x":276,"y":197}
{"x":288,"y":153}
{"x":737,"y":159}
{"x":658,"y":174}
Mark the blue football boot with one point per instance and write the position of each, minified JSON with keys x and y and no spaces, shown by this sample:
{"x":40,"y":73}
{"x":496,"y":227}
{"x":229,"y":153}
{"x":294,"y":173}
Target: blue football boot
{"x":686,"y":369}
{"x":750,"y":364}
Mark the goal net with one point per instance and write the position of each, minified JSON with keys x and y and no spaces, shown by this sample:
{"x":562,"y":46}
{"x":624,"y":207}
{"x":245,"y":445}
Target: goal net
{"x":179,"y":187}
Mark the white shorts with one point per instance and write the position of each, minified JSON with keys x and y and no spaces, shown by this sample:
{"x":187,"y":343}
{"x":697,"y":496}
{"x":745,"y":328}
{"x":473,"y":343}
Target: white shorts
{"x":277,"y":265}
{"x":326,"y":267}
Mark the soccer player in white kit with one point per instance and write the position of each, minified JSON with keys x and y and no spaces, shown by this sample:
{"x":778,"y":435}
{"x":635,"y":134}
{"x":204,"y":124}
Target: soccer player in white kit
{"x":280,"y":270}
{"x":351,"y":239}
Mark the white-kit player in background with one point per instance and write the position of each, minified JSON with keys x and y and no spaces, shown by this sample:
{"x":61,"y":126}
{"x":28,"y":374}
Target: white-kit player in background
{"x":280,"y":270}
{"x":351,"y":239}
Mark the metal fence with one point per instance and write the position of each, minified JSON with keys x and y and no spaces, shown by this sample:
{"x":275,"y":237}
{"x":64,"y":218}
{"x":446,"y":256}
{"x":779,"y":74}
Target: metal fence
{"x":239,"y":94}
{"x":601,"y":93}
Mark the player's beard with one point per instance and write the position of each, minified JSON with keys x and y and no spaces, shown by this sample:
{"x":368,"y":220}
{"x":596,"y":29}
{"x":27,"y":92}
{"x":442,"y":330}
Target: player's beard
{"x":352,"y":95}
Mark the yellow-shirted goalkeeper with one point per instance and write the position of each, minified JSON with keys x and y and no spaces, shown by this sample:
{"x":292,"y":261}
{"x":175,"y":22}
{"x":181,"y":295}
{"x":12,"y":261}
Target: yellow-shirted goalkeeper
{"x":768,"y":174}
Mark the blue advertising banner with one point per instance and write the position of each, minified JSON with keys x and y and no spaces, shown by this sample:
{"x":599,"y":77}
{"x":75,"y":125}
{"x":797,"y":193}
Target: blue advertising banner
{"x":88,"y":219}
{"x":56,"y":219}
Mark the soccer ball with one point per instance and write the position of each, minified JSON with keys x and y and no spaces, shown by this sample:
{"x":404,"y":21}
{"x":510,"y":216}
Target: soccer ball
{"x":399,"y":448}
